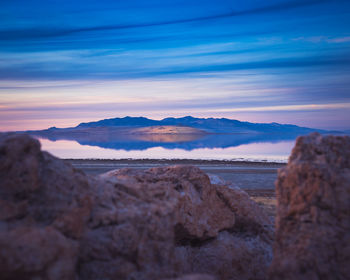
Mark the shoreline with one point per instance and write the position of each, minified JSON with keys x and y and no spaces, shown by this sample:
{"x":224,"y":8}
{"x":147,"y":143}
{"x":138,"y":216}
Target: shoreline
{"x":255,"y":178}
{"x":259,"y":177}
{"x":177,"y":161}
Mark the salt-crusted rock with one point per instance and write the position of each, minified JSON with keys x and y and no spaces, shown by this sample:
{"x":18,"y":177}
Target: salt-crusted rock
{"x":313,"y":212}
{"x":58,"y":223}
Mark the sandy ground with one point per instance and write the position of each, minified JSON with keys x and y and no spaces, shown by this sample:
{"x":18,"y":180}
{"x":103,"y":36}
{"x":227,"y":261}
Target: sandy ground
{"x":256,"y":178}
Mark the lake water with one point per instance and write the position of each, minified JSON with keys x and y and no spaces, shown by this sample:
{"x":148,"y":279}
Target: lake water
{"x":275,"y":151}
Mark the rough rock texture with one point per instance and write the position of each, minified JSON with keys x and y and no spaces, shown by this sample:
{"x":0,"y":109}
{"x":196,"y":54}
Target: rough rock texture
{"x":44,"y":208}
{"x":313,"y":216}
{"x":242,"y":252}
{"x":201,"y":213}
{"x":218,"y":230}
{"x":58,"y":223}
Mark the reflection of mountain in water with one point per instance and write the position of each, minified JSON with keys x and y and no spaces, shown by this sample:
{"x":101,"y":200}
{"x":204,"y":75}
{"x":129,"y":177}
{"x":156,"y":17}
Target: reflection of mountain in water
{"x":207,"y":141}
{"x":167,"y":138}
{"x":114,"y":140}
{"x":186,"y":133}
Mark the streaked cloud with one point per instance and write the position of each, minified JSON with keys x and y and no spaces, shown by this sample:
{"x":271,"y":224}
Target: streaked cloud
{"x":320,"y":39}
{"x":301,"y":107}
{"x":62,"y":62}
{"x":21,"y":34}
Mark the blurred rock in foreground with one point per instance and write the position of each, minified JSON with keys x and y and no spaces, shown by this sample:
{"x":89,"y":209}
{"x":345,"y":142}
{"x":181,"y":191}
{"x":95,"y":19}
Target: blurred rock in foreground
{"x":313,"y":211}
{"x":163,"y":223}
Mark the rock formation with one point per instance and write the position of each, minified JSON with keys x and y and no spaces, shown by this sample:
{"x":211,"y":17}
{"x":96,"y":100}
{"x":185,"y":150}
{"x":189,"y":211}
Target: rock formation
{"x":44,"y":209}
{"x":58,"y":223}
{"x":313,"y":213}
{"x":218,"y":230}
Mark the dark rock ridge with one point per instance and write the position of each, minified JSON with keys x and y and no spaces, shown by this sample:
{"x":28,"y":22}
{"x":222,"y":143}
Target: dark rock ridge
{"x":313,"y":213}
{"x":163,"y":223}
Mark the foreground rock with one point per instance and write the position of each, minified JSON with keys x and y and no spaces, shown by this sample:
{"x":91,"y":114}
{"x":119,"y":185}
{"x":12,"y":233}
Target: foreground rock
{"x":218,"y":230}
{"x":163,"y":223}
{"x":313,"y":216}
{"x":44,"y":209}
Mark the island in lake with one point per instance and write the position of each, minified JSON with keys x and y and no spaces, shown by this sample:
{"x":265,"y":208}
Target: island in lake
{"x":188,"y":133}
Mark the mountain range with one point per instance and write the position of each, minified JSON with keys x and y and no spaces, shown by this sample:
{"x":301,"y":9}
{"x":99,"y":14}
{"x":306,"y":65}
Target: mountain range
{"x":188,"y":133}
{"x":202,"y":125}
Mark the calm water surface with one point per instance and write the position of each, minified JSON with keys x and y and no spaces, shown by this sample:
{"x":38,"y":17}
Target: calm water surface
{"x":260,"y":151}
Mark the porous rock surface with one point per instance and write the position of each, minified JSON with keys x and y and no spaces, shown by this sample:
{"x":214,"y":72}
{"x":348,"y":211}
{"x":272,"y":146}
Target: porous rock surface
{"x":218,"y":230}
{"x":163,"y":223}
{"x":313,"y":211}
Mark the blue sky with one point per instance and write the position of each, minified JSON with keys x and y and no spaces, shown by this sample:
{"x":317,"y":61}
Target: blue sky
{"x":64,"y":62}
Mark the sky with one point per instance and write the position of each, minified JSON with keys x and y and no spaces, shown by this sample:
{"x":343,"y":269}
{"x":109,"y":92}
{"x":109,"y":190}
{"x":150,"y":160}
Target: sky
{"x":65,"y":62}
